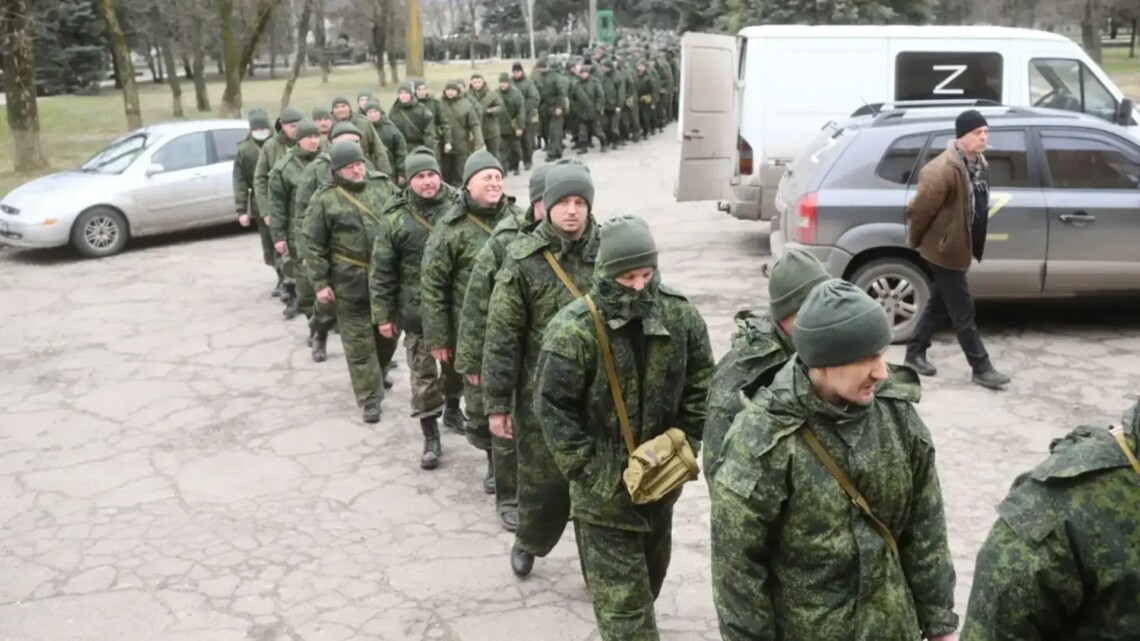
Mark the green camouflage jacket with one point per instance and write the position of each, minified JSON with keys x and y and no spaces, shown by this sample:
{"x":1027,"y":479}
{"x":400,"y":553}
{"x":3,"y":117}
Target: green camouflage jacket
{"x":375,"y":151}
{"x":477,"y":299}
{"x":551,"y":92}
{"x":629,"y":81}
{"x":317,"y":173}
{"x":416,"y":123}
{"x":759,"y":350}
{"x":450,"y":254}
{"x":339,"y":235}
{"x":397,"y":256}
{"x":272,"y":151}
{"x":1062,"y":563}
{"x":245,"y":165}
{"x":284,"y":219}
{"x":647,"y":85}
{"x":527,"y":294}
{"x":531,"y":99}
{"x":462,"y":119}
{"x":511,"y":117}
{"x":578,"y":417}
{"x":492,"y":103}
{"x":792,"y":557}
{"x":588,"y":99}
{"x":394,"y":142}
{"x":613,"y":86}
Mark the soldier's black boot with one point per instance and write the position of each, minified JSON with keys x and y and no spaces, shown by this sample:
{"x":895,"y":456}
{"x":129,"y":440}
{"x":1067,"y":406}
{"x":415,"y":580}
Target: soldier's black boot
{"x":489,"y":480}
{"x":918,"y":363}
{"x":320,"y":346}
{"x":312,"y":333}
{"x":510,"y":520}
{"x":372,"y":412}
{"x":280,"y":288}
{"x":292,"y":302}
{"x":388,"y":384}
{"x":991,"y":379}
{"x":429,"y":460}
{"x":453,"y":418}
{"x":522,"y":562}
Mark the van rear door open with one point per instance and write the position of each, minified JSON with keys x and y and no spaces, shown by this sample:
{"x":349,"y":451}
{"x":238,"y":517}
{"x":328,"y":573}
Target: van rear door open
{"x":710,"y":104}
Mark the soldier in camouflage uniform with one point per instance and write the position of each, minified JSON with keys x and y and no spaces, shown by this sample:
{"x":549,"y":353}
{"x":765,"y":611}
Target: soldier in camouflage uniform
{"x":391,"y":137}
{"x":448,"y":259}
{"x":323,"y":119}
{"x":526,"y":295}
{"x":343,"y":222}
{"x":761,"y":346}
{"x":668,"y":88}
{"x":273,"y":150}
{"x":374,"y":150}
{"x":588,"y":105}
{"x":473,"y":333}
{"x":647,"y":99}
{"x":613,"y":87}
{"x":530,"y":119}
{"x":1062,"y":562}
{"x":245,"y":164}
{"x":511,"y":127}
{"x":362,"y":99}
{"x":630,"y":122}
{"x":661,"y":352}
{"x":284,"y":220}
{"x":554,"y":103}
{"x":466,"y":130}
{"x":492,"y":106}
{"x":394,"y":282}
{"x":443,"y":135}
{"x":415,"y":120}
{"x":792,"y":555}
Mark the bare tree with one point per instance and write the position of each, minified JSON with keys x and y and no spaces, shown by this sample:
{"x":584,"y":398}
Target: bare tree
{"x":18,"y":38}
{"x":1091,"y":19}
{"x":528,"y":11}
{"x":197,"y":42}
{"x":299,"y":56}
{"x":166,"y":46}
{"x":236,"y":63}
{"x":320,"y":39}
{"x":395,"y":32}
{"x":126,"y":67}
{"x":380,"y":37}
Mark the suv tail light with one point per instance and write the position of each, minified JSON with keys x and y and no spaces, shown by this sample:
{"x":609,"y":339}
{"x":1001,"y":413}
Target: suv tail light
{"x":744,"y":155}
{"x":806,"y":218}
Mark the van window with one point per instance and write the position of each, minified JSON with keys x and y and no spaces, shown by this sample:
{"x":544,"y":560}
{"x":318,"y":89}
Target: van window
{"x":948,"y":75}
{"x":1007,"y":156}
{"x":898,"y":163}
{"x":1069,"y":85}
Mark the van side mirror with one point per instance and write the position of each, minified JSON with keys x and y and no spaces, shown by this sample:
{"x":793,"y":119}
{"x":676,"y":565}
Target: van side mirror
{"x":1124,"y":112}
{"x":153,"y":169}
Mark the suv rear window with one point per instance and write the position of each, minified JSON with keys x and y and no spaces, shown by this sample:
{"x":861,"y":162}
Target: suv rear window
{"x":898,"y":163}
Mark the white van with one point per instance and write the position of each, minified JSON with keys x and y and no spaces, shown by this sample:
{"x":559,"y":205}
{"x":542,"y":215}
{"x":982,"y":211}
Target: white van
{"x":750,"y":103}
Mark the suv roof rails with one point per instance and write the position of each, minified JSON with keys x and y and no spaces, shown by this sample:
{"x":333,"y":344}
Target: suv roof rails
{"x":875,"y":108}
{"x":894,"y":115}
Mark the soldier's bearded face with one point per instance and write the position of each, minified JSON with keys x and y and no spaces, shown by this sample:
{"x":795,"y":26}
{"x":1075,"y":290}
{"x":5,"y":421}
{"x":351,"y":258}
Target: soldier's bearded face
{"x":342,"y":111}
{"x":310,"y":143}
{"x":353,"y":173}
{"x":426,"y":184}
{"x":853,"y":383}
{"x":636,"y":279}
{"x":450,"y":93}
{"x":516,"y":74}
{"x":290,"y":130}
{"x":569,"y":215}
{"x":486,"y":187}
{"x":324,"y":125}
{"x":503,"y":86}
{"x":421,"y":92}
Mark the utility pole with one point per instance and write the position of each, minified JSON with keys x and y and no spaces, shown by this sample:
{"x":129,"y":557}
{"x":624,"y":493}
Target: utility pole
{"x":414,"y":56}
{"x":593,"y":23}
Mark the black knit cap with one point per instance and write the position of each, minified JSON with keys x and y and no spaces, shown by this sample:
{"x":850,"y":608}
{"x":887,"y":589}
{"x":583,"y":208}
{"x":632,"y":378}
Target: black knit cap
{"x":968,"y":121}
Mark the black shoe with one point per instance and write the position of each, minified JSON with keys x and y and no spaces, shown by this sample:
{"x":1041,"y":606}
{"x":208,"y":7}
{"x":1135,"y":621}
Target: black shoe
{"x":372,"y":412}
{"x":279,"y":289}
{"x":510,"y":520}
{"x":517,"y":172}
{"x":292,"y":303}
{"x":320,"y":345}
{"x":489,"y":480}
{"x":453,"y":418}
{"x":990,"y":379}
{"x":527,"y":166}
{"x":429,"y":460}
{"x":521,"y":562}
{"x":312,"y":333}
{"x":919,"y":364}
{"x":388,"y":384}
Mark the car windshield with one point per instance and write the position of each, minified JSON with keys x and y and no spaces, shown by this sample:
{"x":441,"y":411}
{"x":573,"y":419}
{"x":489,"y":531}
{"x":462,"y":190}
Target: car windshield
{"x":117,"y":156}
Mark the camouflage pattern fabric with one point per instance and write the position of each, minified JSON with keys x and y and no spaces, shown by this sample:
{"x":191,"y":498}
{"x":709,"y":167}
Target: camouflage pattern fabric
{"x":462,"y":120}
{"x":492,"y":106}
{"x":416,"y":123}
{"x":394,"y":143}
{"x":284,"y":221}
{"x":245,"y":165}
{"x":271,"y":152}
{"x":554,"y":94}
{"x":1062,"y":562}
{"x":530,"y":117}
{"x":511,"y":119}
{"x":526,"y":295}
{"x":792,"y":556}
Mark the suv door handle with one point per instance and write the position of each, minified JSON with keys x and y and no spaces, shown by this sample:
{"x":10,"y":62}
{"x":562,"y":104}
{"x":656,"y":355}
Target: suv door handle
{"x":694,"y":135}
{"x":1077,"y":217}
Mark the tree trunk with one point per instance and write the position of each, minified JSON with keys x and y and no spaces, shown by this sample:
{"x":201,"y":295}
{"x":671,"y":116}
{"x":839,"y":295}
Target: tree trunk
{"x":18,"y":38}
{"x":237,"y":63}
{"x":166,"y":46}
{"x":299,"y":57}
{"x":126,"y":68}
{"x":273,"y":27}
{"x":390,"y":49}
{"x":413,"y":41}
{"x":1090,"y":33}
{"x":155,"y":72}
{"x":198,"y":69}
{"x":471,"y":39}
{"x":1132,"y":40}
{"x":115,"y":65}
{"x":380,"y":38}
{"x":320,"y":40}
{"x":187,"y":68}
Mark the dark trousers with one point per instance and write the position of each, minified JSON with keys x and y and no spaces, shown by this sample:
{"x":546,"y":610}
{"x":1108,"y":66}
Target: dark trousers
{"x":951,"y":303}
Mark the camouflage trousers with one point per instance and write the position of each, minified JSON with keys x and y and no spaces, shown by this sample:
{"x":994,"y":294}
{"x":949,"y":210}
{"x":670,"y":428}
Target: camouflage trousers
{"x":630,"y":124}
{"x":491,"y":140}
{"x":268,"y":254}
{"x":554,"y":135}
{"x":512,"y":149}
{"x":648,"y":117}
{"x":664,"y":103}
{"x":321,"y":315}
{"x":426,"y":378}
{"x":506,"y":463}
{"x":624,"y":571}
{"x":543,"y":493}
{"x":529,"y":142}
{"x":452,"y":166}
{"x":478,"y":428}
{"x":368,"y":354}
{"x":589,"y":129}
{"x":611,"y":124}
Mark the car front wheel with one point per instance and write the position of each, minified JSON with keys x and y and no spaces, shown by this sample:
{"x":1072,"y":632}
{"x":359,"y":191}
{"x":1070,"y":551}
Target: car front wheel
{"x":901,"y":287}
{"x":99,"y":232}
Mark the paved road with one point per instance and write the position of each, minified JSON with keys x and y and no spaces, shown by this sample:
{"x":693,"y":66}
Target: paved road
{"x":173,"y":466}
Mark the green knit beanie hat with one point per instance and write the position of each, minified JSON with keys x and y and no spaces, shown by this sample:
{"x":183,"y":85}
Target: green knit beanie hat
{"x":373,"y":104}
{"x":364,"y":93}
{"x":568,"y":180}
{"x":479,"y":161}
{"x":419,"y":82}
{"x":626,"y":244}
{"x":538,"y":183}
{"x":504,"y":77}
{"x":258,"y":119}
{"x":793,"y":277}
{"x":451,"y":84}
{"x":291,"y":114}
{"x":340,"y":100}
{"x":342,"y":128}
{"x":406,"y":87}
{"x":307,"y":128}
{"x":320,"y":113}
{"x":839,"y":324}
{"x":419,"y":160}
{"x":344,"y":153}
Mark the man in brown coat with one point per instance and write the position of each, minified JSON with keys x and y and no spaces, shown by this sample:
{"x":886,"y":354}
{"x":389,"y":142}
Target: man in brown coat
{"x":946,"y":222}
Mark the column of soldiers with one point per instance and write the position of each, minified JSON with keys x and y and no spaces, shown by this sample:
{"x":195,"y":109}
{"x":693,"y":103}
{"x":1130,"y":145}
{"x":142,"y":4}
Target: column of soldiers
{"x":556,"y":330}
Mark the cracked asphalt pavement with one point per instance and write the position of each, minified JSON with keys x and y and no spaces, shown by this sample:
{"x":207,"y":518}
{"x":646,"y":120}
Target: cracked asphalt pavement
{"x":173,"y":466}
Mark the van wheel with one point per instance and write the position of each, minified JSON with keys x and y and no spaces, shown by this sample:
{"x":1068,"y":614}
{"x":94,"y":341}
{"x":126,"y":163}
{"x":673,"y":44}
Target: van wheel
{"x":99,"y":232}
{"x":900,"y":287}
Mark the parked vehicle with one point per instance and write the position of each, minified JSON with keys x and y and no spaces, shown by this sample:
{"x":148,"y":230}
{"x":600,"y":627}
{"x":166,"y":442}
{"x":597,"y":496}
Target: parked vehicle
{"x":750,"y":102}
{"x":157,"y":179}
{"x":1064,"y":205}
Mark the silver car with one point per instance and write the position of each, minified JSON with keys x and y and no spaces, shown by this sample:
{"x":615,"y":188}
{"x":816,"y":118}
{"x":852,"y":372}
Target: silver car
{"x":1064,"y":205}
{"x":157,"y":179}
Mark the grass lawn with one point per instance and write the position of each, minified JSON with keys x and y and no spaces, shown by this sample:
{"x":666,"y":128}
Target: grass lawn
{"x":73,"y":128}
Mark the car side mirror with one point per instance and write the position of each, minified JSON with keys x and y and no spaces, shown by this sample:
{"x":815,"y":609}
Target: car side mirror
{"x":1124,"y":112}
{"x":153,"y":169}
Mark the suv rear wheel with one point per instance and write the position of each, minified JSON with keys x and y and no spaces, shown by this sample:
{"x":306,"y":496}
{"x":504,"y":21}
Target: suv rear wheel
{"x":901,"y":287}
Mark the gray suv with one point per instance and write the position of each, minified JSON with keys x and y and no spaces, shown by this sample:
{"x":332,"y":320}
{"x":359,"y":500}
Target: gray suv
{"x":1064,"y":205}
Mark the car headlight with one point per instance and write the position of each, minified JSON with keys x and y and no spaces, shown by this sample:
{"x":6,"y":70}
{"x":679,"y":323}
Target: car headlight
{"x":8,"y":209}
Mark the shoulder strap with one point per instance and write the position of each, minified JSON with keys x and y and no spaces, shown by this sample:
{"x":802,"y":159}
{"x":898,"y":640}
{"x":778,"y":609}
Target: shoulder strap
{"x":848,"y":487}
{"x":561,"y":273}
{"x":611,"y":372}
{"x":403,"y":114}
{"x":419,"y":219}
{"x":1118,"y":434}
{"x":482,"y":225}
{"x":356,"y":201}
